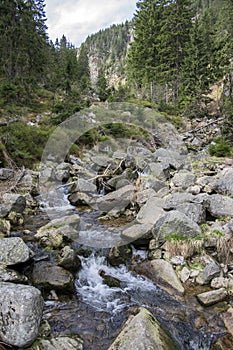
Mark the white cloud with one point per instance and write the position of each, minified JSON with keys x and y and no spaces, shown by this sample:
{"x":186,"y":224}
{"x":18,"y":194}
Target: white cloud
{"x":77,"y":19}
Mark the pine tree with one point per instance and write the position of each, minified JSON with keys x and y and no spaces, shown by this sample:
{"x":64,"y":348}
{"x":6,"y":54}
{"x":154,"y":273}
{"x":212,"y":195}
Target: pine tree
{"x":83,"y":70}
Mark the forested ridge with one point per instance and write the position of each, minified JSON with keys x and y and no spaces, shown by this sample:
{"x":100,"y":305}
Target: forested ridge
{"x":170,"y":57}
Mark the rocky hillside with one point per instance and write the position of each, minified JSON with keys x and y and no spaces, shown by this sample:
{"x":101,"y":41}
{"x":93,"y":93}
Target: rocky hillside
{"x":107,"y":51}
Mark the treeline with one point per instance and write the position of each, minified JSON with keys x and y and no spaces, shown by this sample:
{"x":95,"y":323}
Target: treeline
{"x":180,"y":49}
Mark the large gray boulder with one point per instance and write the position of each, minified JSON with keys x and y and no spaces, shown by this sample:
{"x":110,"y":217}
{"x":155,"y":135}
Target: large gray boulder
{"x":151,"y":212}
{"x":116,"y":201}
{"x":212,"y":297}
{"x":171,"y":201}
{"x":175,"y":222}
{"x":184,"y":179}
{"x":219,"y":205}
{"x":6,"y":174}
{"x":195,"y":211}
{"x":21,"y":309}
{"x":143,"y":332}
{"x":13,"y":251}
{"x":223,"y":183}
{"x":162,"y":273}
{"x":210,"y":271}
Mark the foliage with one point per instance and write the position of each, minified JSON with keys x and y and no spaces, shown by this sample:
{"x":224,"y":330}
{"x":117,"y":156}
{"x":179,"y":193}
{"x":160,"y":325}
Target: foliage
{"x":220,"y":148}
{"x":24,"y":143}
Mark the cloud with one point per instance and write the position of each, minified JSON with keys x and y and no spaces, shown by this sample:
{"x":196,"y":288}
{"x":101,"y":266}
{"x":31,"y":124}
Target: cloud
{"x":77,"y":19}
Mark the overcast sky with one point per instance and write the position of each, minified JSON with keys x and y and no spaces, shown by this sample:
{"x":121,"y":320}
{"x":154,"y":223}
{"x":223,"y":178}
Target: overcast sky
{"x":77,"y":19}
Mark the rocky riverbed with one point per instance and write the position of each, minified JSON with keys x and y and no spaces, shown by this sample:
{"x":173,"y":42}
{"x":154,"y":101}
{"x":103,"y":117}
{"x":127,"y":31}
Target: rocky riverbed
{"x":128,"y":246}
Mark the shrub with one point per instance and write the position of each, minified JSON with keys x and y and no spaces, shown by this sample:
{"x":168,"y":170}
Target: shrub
{"x":221,"y":148}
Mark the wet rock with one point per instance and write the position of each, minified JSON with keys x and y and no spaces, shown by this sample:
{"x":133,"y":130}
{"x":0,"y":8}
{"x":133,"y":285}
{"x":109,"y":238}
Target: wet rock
{"x":184,"y":179}
{"x":62,"y":171}
{"x":141,"y":332}
{"x":116,"y":201}
{"x":210,"y":271}
{"x":50,"y":276}
{"x":5,"y":227}
{"x":81,"y":198}
{"x":212,"y":297}
{"x":110,"y":281}
{"x":120,"y":255}
{"x":20,"y":313}
{"x":16,"y":219}
{"x":13,"y":251}
{"x":196,"y":212}
{"x":59,"y":230}
{"x":219,"y":205}
{"x":72,"y":342}
{"x":162,"y":273}
{"x":224,"y":342}
{"x":69,"y":259}
{"x":175,"y":222}
{"x":8,"y":275}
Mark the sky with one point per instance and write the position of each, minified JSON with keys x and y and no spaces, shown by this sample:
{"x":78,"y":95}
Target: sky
{"x":77,"y":19}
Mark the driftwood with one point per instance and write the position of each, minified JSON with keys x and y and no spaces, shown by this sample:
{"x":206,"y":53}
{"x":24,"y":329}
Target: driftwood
{"x":205,"y":125}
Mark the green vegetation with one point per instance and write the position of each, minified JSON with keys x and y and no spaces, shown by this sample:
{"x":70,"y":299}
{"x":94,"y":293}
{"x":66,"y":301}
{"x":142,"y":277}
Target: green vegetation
{"x":220,"y":148}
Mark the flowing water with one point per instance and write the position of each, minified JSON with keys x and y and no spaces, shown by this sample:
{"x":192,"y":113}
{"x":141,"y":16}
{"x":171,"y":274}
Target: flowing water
{"x":97,"y":311}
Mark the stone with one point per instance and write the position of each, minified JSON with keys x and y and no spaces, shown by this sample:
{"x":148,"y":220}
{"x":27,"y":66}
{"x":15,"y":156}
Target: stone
{"x":222,"y":282}
{"x":143,"y":196}
{"x":5,"y":227}
{"x":228,"y":319}
{"x":14,"y":202}
{"x":137,"y":231}
{"x":64,"y":342}
{"x":13,"y":251}
{"x":184,"y":274}
{"x":196,"y":212}
{"x":69,"y":259}
{"x":223,"y":183}
{"x":117,"y":200}
{"x":212,"y":297}
{"x":184,"y":179}
{"x":219,"y":205}
{"x":159,"y":171}
{"x":151,"y":212}
{"x":210,"y":271}
{"x":56,"y":231}
{"x":6,"y":174}
{"x":62,"y":171}
{"x":177,"y":260}
{"x":81,"y":198}
{"x":150,"y":182}
{"x":82,"y":185}
{"x":171,"y":201}
{"x":120,"y":255}
{"x":162,"y":273}
{"x":50,"y":276}
{"x":9,"y":275}
{"x":21,"y":308}
{"x":175,"y":222}
{"x":142,"y":331}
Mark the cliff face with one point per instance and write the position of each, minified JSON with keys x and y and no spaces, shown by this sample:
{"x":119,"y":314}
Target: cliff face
{"x":107,"y":51}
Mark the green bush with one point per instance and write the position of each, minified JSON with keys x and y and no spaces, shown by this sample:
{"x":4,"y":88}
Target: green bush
{"x":221,"y":148}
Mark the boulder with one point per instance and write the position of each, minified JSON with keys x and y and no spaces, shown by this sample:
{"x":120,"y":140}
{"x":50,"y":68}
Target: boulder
{"x":81,"y":198}
{"x":68,"y":259}
{"x":13,"y":251}
{"x":219,"y":205}
{"x":21,"y":309}
{"x":142,"y":331}
{"x":9,"y":275}
{"x":119,"y":255}
{"x":161,"y":273}
{"x":83,"y":186}
{"x":223,"y":183}
{"x":171,"y":201}
{"x":175,"y":222}
{"x":151,"y":212}
{"x":210,"y":271}
{"x":59,"y":230}
{"x":66,"y":342}
{"x":6,"y":174}
{"x":116,"y":201}
{"x":196,"y":212}
{"x":62,"y":171}
{"x":137,"y":232}
{"x":13,"y":202}
{"x":184,"y":179}
{"x":159,"y":170}
{"x":212,"y":297}
{"x":50,"y":276}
